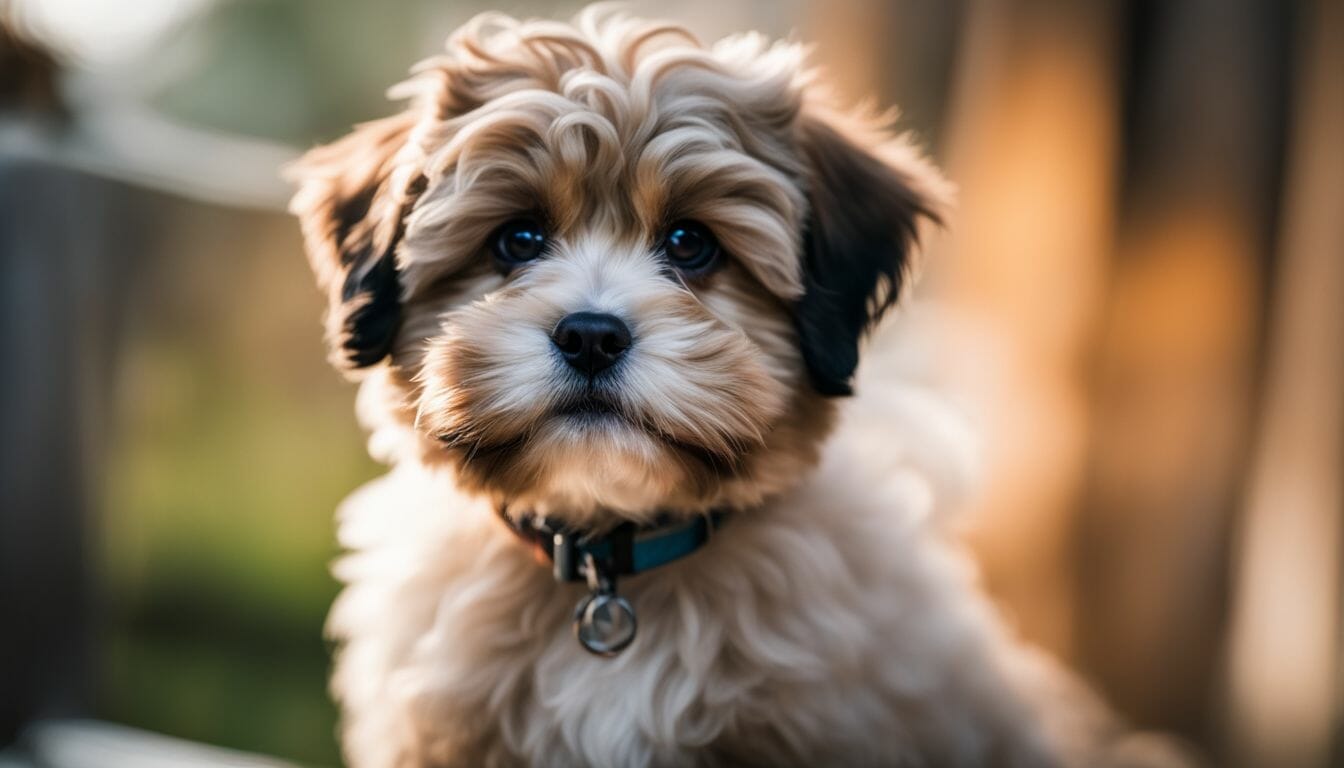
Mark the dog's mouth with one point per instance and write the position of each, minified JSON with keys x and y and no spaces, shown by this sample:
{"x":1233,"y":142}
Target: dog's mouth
{"x":592,"y":410}
{"x":599,"y":408}
{"x":581,"y":410}
{"x":588,"y":405}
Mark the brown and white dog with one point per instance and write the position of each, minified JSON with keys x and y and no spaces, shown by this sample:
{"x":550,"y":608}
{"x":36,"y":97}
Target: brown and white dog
{"x":602,"y":276}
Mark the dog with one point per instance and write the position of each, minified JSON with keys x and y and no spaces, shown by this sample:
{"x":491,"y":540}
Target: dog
{"x":605,"y":289}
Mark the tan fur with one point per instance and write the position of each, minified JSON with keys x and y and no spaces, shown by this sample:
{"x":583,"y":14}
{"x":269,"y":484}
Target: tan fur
{"x":828,"y":623}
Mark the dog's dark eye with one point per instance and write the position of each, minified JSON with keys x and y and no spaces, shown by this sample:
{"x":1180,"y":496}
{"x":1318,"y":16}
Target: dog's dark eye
{"x":518,"y":241}
{"x":690,"y":246}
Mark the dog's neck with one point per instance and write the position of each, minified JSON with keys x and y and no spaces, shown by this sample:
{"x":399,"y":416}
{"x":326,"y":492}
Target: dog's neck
{"x":621,"y":549}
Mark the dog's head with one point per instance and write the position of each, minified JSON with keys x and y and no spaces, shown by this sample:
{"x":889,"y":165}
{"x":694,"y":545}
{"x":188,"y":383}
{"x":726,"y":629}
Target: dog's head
{"x":607,"y":269}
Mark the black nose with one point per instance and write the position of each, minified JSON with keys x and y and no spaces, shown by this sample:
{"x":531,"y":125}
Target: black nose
{"x":591,"y":341}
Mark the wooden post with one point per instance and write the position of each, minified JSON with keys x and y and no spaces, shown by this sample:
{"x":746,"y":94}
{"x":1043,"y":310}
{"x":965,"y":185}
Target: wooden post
{"x":1178,"y":358}
{"x":64,"y":238}
{"x":1033,"y":146}
{"x":1285,"y":666}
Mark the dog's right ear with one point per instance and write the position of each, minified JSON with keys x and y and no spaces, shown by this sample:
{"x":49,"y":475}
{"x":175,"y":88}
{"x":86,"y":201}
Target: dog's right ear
{"x":353,"y":197}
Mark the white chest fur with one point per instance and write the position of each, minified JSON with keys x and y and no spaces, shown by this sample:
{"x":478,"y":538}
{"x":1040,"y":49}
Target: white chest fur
{"x":834,"y":624}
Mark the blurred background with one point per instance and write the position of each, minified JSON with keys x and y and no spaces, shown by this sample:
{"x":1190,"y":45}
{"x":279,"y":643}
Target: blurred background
{"x":1143,"y":292}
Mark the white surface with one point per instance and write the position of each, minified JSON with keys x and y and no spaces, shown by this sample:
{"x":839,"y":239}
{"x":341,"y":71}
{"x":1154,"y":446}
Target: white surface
{"x":128,"y":143}
{"x":93,"y":744}
{"x":98,"y":32}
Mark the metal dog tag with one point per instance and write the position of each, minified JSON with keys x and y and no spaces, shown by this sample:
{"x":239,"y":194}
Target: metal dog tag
{"x":605,"y":623}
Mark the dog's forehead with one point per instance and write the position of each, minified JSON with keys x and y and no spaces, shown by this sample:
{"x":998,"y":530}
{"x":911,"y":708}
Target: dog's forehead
{"x":624,"y":155}
{"x":614,"y":131}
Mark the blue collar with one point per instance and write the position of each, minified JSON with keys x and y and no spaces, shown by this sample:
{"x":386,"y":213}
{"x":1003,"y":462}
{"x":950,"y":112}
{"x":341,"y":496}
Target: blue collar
{"x":625,"y":550}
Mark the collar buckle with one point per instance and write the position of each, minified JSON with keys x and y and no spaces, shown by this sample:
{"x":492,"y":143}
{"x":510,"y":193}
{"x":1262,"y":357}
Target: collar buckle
{"x":564,"y":557}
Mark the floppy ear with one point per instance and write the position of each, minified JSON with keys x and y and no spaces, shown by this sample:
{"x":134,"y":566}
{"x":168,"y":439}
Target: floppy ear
{"x":862,"y":228}
{"x":353,"y":196}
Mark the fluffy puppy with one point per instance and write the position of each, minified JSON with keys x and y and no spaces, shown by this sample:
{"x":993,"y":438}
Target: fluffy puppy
{"x":601,"y":275}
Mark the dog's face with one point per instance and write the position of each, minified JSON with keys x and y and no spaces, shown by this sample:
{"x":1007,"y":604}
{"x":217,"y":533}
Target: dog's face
{"x":605,"y":270}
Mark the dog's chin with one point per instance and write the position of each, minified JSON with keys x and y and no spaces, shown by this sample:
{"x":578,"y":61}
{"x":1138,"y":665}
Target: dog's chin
{"x":594,"y":429}
{"x":587,"y":459}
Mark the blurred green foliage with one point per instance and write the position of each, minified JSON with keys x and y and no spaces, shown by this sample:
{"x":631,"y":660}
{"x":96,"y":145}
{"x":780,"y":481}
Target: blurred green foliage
{"x":233,"y":445}
{"x":301,"y":70}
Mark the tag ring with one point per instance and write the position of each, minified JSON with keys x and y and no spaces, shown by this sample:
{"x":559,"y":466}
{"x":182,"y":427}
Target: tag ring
{"x":604,"y":622}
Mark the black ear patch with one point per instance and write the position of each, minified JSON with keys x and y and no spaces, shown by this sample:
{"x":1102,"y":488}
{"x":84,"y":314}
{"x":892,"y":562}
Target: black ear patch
{"x":352,"y":203}
{"x":370,"y":308}
{"x":861,"y":230}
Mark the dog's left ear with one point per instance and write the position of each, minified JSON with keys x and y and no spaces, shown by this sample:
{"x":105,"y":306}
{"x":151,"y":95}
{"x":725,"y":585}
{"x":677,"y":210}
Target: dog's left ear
{"x":864,"y":215}
{"x":353,"y":197}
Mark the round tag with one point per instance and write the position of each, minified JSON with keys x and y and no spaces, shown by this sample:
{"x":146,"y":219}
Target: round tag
{"x":604,"y":623}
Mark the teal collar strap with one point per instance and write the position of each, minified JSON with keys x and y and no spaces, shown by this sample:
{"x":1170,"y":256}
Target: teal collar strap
{"x":625,"y":550}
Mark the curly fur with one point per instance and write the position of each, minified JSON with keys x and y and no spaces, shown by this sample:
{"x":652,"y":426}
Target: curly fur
{"x":829,"y":622}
